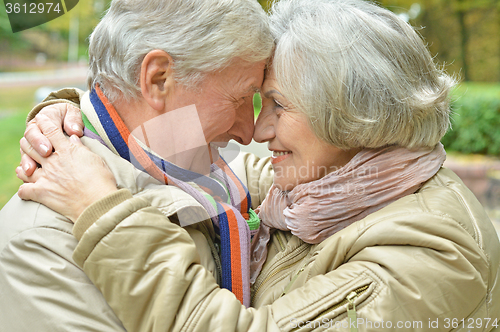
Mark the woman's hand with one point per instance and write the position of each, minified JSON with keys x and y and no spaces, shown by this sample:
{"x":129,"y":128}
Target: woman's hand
{"x":70,"y":179}
{"x":62,"y":115}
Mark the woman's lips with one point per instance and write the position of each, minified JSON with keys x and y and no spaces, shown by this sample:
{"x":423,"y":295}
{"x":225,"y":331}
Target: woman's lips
{"x":279,"y":156}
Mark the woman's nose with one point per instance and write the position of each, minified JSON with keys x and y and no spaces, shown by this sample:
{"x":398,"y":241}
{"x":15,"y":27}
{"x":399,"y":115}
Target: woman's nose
{"x":264,"y":128}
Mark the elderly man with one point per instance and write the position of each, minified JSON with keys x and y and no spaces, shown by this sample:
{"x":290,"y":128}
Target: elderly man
{"x":193,"y":64}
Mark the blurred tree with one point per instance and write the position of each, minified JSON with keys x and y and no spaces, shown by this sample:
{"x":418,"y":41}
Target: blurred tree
{"x":463,"y":34}
{"x":8,"y":41}
{"x":50,"y":38}
{"x":6,"y":35}
{"x":86,"y":14}
{"x":464,"y":8}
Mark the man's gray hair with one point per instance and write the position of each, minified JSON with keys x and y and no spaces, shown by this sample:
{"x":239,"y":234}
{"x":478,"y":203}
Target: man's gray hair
{"x":362,"y":75}
{"x":201,"y":36}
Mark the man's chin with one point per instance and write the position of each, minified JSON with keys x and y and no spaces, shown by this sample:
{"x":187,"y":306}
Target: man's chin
{"x":219,"y":144}
{"x":214,"y":152}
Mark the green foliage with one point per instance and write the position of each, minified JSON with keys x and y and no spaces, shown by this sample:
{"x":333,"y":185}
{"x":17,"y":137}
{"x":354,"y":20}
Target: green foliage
{"x":461,"y":34}
{"x":257,"y":104}
{"x":11,"y":130}
{"x":51,"y":38}
{"x":15,"y":103}
{"x":475,"y":120}
{"x":6,"y":35}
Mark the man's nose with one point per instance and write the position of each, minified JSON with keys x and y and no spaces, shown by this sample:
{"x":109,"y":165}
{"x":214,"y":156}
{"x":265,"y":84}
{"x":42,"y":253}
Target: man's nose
{"x":243,"y":128}
{"x":264,"y":128}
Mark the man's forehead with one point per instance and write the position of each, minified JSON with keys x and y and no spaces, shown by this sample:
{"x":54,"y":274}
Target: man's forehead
{"x":255,"y":74}
{"x":242,"y":77}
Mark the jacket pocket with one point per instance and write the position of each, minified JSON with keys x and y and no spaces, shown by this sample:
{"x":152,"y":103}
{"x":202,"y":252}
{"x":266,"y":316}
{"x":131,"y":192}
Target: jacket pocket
{"x":341,"y":313}
{"x":350,"y":303}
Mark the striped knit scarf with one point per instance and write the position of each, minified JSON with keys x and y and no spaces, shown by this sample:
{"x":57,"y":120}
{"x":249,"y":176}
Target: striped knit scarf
{"x":223,"y":195}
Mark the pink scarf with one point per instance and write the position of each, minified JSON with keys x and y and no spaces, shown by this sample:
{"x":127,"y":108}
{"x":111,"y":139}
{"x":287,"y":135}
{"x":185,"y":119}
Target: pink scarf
{"x":372,"y":179}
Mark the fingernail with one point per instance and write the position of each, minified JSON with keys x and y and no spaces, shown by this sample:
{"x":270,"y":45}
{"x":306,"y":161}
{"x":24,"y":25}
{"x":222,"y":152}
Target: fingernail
{"x":44,"y":148}
{"x":76,"y":128}
{"x":26,"y":168}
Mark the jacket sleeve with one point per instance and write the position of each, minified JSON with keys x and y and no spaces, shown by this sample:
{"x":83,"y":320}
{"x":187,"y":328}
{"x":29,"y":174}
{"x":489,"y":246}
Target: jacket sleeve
{"x":70,"y":96}
{"x":42,"y":289}
{"x":149,"y":272}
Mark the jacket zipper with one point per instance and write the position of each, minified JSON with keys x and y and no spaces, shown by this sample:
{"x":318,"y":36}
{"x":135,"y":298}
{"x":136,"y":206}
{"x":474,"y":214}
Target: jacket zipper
{"x":287,"y":288}
{"x":262,"y":283}
{"x":351,"y":308}
{"x":280,"y":241}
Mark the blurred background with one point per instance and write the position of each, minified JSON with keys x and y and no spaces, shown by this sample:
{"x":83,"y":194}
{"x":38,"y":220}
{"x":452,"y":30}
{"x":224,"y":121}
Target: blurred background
{"x":463,"y":35}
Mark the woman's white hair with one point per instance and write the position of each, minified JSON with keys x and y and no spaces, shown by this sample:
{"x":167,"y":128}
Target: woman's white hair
{"x":362,"y":75}
{"x":201,"y":36}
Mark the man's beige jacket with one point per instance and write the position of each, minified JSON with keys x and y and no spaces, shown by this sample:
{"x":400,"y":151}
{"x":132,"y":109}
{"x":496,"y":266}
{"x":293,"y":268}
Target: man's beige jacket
{"x":42,"y":289}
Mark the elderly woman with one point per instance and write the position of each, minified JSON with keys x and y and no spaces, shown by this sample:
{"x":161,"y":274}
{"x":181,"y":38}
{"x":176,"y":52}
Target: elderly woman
{"x":362,"y":228}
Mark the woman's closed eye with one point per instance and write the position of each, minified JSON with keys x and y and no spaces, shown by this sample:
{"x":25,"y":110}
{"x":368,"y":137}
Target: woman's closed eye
{"x":279,"y":108}
{"x":277,"y":104}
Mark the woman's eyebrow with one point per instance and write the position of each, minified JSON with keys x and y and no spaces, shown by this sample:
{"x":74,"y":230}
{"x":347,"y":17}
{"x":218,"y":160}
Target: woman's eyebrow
{"x":270,"y":92}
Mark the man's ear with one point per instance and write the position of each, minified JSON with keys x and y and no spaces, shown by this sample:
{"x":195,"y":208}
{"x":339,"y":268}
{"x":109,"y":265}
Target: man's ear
{"x":157,"y":78}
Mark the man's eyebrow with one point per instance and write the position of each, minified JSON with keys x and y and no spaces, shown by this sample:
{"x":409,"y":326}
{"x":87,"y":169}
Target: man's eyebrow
{"x":270,"y":92}
{"x":253,"y":88}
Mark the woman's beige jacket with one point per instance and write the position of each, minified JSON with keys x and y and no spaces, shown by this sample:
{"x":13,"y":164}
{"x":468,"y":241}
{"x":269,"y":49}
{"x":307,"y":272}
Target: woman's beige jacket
{"x":427,"y":262}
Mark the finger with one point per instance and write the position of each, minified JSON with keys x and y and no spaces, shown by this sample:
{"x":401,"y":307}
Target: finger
{"x":73,"y":123}
{"x":27,"y":191}
{"x":75,"y":140}
{"x":52,"y":132}
{"x":28,"y":149}
{"x":28,"y":165}
{"x":28,"y":179}
{"x":37,"y":140}
{"x":20,"y":174}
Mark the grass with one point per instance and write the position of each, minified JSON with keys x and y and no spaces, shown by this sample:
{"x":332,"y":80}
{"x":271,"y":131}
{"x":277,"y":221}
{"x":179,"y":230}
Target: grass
{"x":15,"y":103}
